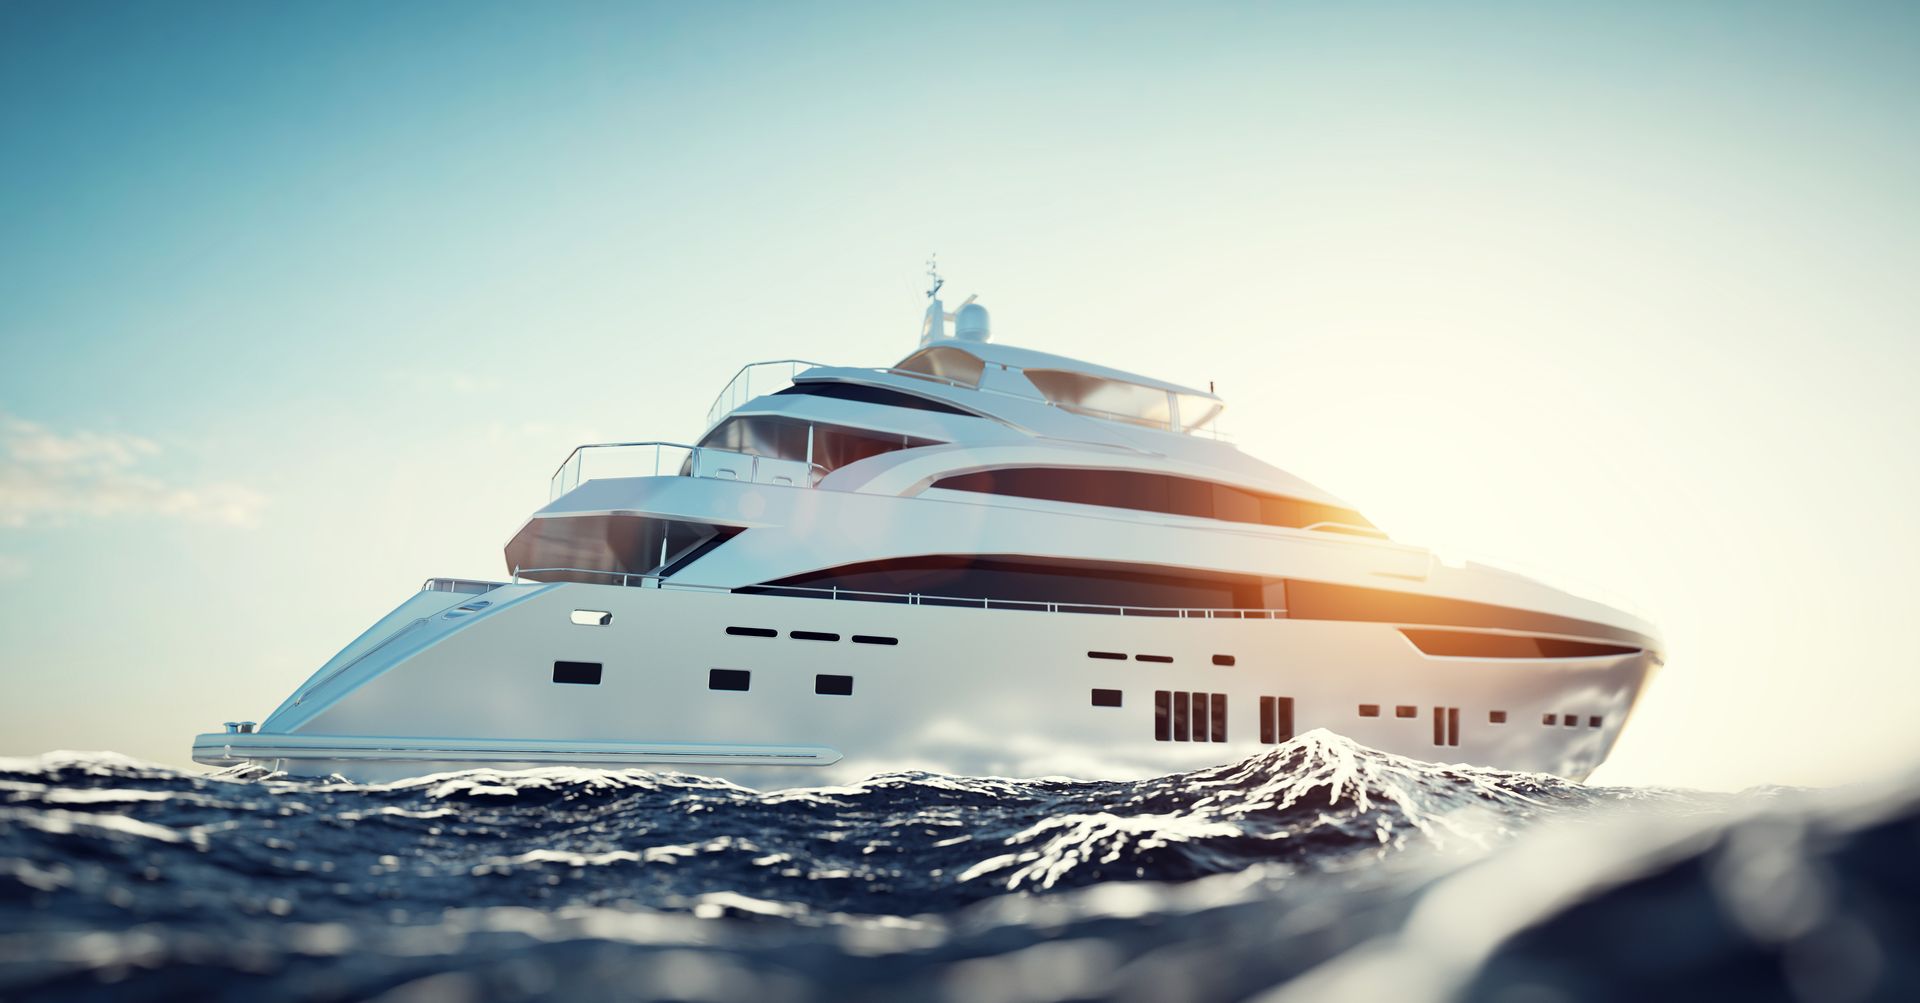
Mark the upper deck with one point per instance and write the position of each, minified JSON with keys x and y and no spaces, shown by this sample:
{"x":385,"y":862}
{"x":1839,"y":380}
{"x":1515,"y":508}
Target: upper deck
{"x":1010,"y":373}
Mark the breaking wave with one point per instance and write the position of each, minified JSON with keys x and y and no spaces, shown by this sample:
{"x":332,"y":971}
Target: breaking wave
{"x":1319,"y":870}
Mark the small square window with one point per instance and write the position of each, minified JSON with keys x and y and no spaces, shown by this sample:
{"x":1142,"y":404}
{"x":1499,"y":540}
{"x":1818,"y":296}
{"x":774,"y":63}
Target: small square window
{"x":1497,"y":716}
{"x":1106,"y":698}
{"x":1404,"y":710}
{"x":1593,"y":722}
{"x":1549,"y":719}
{"x":833,"y":686}
{"x":728,"y":679}
{"x":1223,"y":659}
{"x":1369,"y":710}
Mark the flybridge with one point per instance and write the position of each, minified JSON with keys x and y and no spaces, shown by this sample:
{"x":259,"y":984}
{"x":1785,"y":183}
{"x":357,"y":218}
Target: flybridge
{"x":1005,"y":371}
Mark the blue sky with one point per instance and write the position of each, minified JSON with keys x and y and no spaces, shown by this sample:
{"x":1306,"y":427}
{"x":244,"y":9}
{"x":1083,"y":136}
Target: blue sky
{"x":300,"y":304}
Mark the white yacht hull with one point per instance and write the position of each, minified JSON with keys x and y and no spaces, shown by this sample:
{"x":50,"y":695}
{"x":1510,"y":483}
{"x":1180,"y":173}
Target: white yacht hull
{"x":437,"y":687}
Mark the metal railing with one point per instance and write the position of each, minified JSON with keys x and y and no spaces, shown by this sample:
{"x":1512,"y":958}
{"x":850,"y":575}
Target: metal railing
{"x":654,"y":581}
{"x":757,"y":379}
{"x":671,"y":459}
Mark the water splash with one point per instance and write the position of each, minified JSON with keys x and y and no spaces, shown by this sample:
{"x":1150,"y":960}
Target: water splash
{"x":1218,"y":883}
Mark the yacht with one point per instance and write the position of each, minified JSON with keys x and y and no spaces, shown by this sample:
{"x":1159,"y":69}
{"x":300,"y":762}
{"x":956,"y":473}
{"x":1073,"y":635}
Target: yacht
{"x":981,"y":560}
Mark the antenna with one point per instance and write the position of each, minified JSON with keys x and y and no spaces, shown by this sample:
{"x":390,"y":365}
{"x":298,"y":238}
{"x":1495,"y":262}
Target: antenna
{"x":933,"y":273}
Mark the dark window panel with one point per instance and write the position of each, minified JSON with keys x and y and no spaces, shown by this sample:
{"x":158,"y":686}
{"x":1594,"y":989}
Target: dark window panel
{"x":1163,"y":659}
{"x":1593,"y":722}
{"x":1453,"y":726}
{"x":581,"y":673}
{"x":1218,"y":717}
{"x":1162,"y":716}
{"x":1200,"y":708}
{"x":728,"y":679}
{"x":1150,"y":492}
{"x":1369,"y":710}
{"x":1406,"y":710}
{"x":870,"y":395}
{"x":1439,"y":726}
{"x":1462,"y":644}
{"x":1180,"y":707}
{"x":1106,"y":698}
{"x":1283,"y":718}
{"x":1113,"y":655}
{"x":1497,"y":717}
{"x":1266,"y":720}
{"x":1549,"y":719}
{"x":835,"y":686}
{"x":874,"y":639}
{"x":1223,"y":659}
{"x":812,"y":635}
{"x":753,"y":632}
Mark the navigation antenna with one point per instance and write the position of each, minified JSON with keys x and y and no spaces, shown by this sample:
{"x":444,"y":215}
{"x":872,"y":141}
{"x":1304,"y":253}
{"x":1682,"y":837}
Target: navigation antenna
{"x":933,"y":273}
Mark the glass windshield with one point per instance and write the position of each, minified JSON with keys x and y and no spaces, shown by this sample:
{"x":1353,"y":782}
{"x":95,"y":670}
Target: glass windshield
{"x":1128,"y":402}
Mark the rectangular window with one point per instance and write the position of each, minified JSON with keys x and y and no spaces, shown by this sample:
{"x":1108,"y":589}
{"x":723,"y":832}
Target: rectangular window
{"x":1223,"y":659}
{"x":1106,"y":698}
{"x":1153,"y":658}
{"x":1200,"y":706}
{"x":1266,"y":720}
{"x":1497,"y":717}
{"x":1439,"y":726}
{"x":1593,"y":722}
{"x":833,"y":686}
{"x":753,"y":632}
{"x":1162,"y":716}
{"x":812,"y":635}
{"x":583,"y":673}
{"x":1406,"y":710}
{"x":1283,"y":719}
{"x":1180,"y":716}
{"x":1218,"y":717}
{"x":1114,"y":655}
{"x":1453,"y":726}
{"x":728,"y":679}
{"x":1369,"y":710}
{"x":592,"y":617}
{"x":874,"y":639}
{"x":1549,"y":718}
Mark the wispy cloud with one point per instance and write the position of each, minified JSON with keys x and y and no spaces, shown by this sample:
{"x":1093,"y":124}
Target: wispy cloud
{"x":49,"y":477}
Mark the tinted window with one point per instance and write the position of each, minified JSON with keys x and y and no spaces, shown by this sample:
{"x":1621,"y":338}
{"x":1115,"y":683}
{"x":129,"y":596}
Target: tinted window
{"x":727,"y":679}
{"x":584,"y":673}
{"x":1106,"y":698}
{"x":1015,"y":580}
{"x":871,"y":395}
{"x":1149,"y":492}
{"x":837,"y":686}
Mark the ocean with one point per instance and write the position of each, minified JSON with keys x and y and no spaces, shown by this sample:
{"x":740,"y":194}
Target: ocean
{"x":1321,"y":870}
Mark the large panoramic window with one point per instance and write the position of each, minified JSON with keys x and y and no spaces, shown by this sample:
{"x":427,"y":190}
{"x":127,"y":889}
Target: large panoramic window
{"x":1105,"y":398}
{"x":946,"y":364}
{"x":787,"y":439}
{"x":1149,"y":492}
{"x":1081,"y":586}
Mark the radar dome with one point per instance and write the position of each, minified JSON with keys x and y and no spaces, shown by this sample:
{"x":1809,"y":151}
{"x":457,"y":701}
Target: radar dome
{"x":970,"y":323}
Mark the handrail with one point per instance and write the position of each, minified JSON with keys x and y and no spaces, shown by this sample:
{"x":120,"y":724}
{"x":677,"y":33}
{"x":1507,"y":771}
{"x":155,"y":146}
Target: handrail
{"x":650,"y":580}
{"x":556,"y":485}
{"x":717,"y":412}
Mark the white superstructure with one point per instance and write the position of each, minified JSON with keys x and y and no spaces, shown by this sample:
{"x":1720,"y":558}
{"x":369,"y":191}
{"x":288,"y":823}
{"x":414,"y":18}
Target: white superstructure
{"x":983,"y":560}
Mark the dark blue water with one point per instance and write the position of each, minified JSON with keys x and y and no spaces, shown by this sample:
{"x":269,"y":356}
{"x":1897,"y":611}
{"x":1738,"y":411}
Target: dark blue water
{"x":1321,"y":870}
